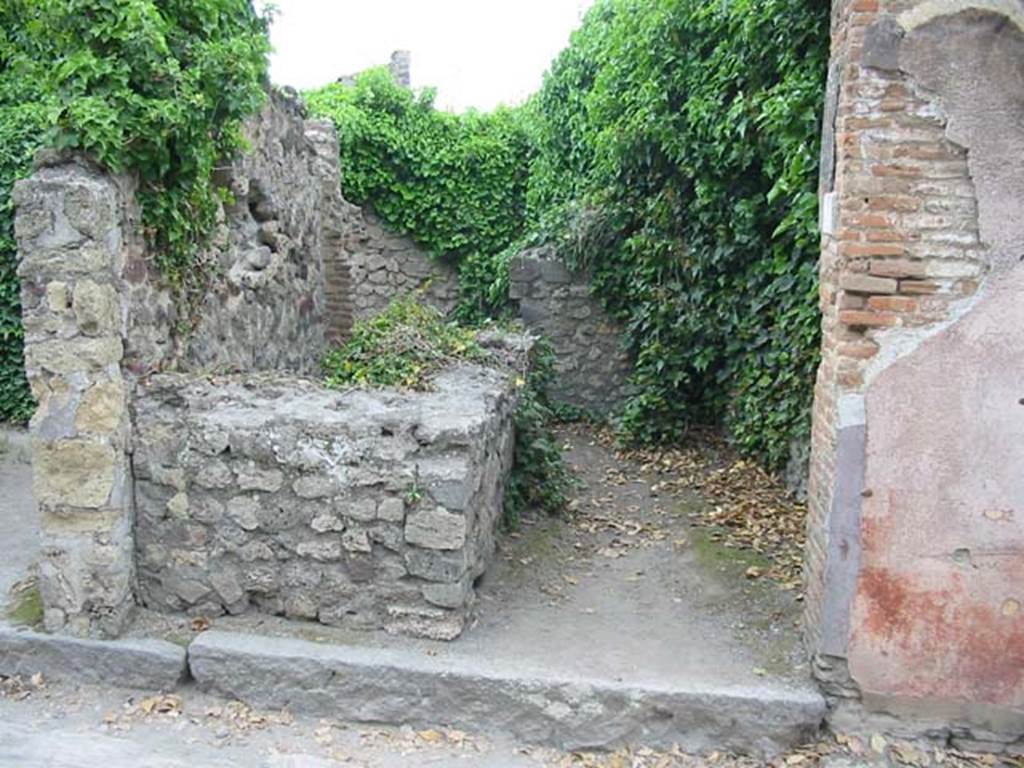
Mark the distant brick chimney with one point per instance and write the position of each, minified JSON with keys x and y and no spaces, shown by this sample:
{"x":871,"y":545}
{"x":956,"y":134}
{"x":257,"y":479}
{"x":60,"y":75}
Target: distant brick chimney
{"x":400,"y":67}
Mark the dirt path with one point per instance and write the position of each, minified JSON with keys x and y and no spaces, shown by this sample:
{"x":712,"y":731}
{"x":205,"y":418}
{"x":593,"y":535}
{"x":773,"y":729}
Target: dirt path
{"x":627,"y":585}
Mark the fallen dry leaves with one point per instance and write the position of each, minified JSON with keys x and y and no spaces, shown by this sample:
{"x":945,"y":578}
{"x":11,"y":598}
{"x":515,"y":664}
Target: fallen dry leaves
{"x":17,"y":688}
{"x":745,"y":506}
{"x":842,"y":751}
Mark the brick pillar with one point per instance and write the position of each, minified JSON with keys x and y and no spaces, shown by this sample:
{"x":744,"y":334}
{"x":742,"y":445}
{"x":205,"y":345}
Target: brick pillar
{"x":401,"y":68}
{"x":916,"y":548}
{"x":334,"y":224}
{"x":69,"y":226}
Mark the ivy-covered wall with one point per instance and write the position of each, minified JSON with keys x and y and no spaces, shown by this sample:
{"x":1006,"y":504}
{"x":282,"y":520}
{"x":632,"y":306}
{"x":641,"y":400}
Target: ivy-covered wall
{"x":672,"y":152}
{"x":454,"y":183}
{"x":159,"y":89}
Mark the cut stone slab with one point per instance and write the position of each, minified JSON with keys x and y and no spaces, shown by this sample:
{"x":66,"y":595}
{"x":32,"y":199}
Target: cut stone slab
{"x":400,"y":687}
{"x":144,"y":664}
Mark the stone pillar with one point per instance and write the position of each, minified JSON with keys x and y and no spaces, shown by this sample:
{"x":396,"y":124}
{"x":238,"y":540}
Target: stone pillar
{"x":71,"y":231}
{"x":915,"y":566}
{"x":592,"y":366}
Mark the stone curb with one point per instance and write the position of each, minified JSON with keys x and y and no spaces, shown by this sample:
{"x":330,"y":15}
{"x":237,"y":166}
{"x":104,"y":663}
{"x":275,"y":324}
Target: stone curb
{"x":143,"y":664}
{"x":398,"y":687}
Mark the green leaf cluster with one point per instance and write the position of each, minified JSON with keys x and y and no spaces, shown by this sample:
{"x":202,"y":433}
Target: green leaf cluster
{"x":540,"y":479}
{"x":403,"y":347}
{"x":456,"y":183}
{"x":155,"y":87}
{"x":677,"y":160}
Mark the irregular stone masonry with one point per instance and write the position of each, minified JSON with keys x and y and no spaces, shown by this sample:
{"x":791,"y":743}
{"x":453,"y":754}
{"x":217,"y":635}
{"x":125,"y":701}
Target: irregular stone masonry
{"x":265,"y":305}
{"x":97,"y":315}
{"x":380,"y":265}
{"x":365,"y":509}
{"x":592,"y":367}
{"x":74,"y":236}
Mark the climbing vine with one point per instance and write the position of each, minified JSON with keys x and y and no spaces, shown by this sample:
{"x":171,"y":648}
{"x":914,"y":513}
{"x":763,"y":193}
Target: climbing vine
{"x":677,"y":160}
{"x":156,"y":88}
{"x":673,"y":152}
{"x":456,"y":183}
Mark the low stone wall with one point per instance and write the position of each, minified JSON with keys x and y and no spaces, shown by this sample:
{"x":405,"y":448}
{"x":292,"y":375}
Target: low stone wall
{"x":591,"y":365}
{"x":368,"y":509}
{"x":98,"y":315}
{"x":381,"y":265}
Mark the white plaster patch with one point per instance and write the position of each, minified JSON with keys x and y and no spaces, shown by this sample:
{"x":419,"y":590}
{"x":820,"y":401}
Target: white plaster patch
{"x":851,"y":411}
{"x":934,"y":9}
{"x":896,"y":343}
{"x":829,"y":213}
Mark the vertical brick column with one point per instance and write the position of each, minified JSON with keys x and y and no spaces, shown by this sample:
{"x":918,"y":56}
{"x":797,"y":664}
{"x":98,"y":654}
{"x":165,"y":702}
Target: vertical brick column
{"x":911,"y":588}
{"x":335,"y":215}
{"x":69,"y":227}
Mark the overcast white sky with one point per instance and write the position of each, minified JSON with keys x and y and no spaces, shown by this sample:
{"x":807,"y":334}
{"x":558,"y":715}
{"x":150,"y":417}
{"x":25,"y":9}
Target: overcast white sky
{"x":478,"y":53}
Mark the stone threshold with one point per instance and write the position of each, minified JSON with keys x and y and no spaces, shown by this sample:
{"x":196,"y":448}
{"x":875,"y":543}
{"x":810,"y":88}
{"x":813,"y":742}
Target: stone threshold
{"x":154,"y":665}
{"x":397,"y":687}
{"x":411,"y":687}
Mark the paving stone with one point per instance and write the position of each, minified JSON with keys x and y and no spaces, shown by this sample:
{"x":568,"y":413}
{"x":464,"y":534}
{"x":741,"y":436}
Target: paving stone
{"x":145,"y":664}
{"x":411,"y":687}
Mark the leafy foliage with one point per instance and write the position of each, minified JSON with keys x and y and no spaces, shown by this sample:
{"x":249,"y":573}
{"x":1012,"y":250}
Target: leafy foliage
{"x":455,"y":183}
{"x":401,"y":347}
{"x":673,"y":152}
{"x":156,"y":88}
{"x":678,"y":147}
{"x":19,"y":125}
{"x":540,"y":479}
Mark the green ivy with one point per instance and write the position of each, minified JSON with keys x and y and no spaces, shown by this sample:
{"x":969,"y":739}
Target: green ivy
{"x":158,"y":88}
{"x":403,"y":346}
{"x":19,"y":129}
{"x":677,"y":159}
{"x":454,"y":183}
{"x":540,"y":479}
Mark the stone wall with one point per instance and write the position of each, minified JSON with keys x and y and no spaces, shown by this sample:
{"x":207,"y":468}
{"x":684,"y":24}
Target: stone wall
{"x":381,"y":265}
{"x":367,"y":509}
{"x":75,"y":231}
{"x":592,"y":368}
{"x":916,"y":554}
{"x":98,"y":316}
{"x":400,"y":66}
{"x":265,"y":305}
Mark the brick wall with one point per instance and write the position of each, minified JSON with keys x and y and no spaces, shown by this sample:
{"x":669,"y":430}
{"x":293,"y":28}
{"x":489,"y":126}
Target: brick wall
{"x":922,"y":159}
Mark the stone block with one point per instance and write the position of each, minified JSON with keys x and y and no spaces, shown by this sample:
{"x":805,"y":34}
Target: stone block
{"x":151,"y":665}
{"x":436,"y":529}
{"x":96,"y":308}
{"x":305,"y":480}
{"x":101,"y":408}
{"x":65,"y":357}
{"x":73,"y":473}
{"x":411,"y":687}
{"x":391,"y":509}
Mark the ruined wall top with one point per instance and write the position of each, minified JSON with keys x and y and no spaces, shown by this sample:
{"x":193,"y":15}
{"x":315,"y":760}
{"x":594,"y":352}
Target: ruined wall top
{"x":264,"y":306}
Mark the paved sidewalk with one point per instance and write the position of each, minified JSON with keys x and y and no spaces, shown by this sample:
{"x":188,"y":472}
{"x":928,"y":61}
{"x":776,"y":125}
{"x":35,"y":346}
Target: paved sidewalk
{"x":19,"y":522}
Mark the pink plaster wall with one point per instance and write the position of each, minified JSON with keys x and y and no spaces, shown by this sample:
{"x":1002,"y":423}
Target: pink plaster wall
{"x":939,"y":606}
